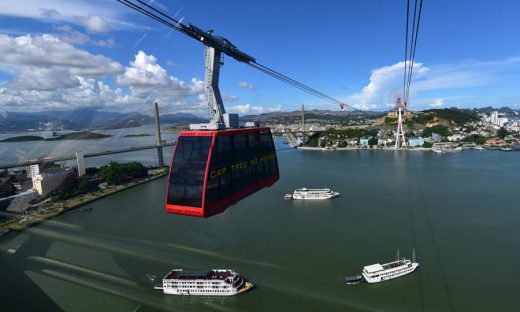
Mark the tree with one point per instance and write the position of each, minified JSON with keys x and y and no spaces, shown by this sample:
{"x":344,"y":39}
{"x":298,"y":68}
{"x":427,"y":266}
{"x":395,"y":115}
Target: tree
{"x":116,"y":173}
{"x":112,"y":173}
{"x":86,"y":186}
{"x":7,"y":189}
{"x":439,"y":129}
{"x":427,"y":144}
{"x":502,"y":133}
{"x":68,"y":189}
{"x":372,"y":141}
{"x":475,"y":138}
{"x":91,"y":171}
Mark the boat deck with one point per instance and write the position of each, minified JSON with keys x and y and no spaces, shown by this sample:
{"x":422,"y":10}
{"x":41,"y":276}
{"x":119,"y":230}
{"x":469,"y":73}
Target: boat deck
{"x":394,"y":264}
{"x":200,"y":274}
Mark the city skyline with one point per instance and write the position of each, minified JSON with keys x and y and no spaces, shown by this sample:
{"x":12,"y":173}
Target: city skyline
{"x":64,"y":55}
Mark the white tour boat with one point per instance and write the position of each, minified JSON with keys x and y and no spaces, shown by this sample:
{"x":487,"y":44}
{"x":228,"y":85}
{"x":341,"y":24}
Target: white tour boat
{"x":376,"y":273}
{"x":306,"y":193}
{"x":204,"y":283}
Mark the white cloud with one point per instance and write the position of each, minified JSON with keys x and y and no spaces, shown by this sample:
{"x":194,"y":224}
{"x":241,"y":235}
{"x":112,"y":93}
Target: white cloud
{"x":40,"y":78}
{"x":277,"y":108}
{"x":145,"y":76}
{"x":65,"y":10}
{"x":466,"y":74}
{"x":144,"y":71}
{"x":50,"y":51}
{"x":382,"y":82}
{"x":93,"y":23}
{"x":70,"y":35}
{"x":108,"y":14}
{"x":48,"y":73}
{"x":245,"y":109}
{"x":437,"y":103}
{"x":227,"y":97}
{"x":246,"y":85}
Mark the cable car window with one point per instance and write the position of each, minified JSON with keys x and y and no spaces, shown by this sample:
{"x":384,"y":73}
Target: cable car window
{"x":265,"y":141}
{"x":212,"y":190}
{"x":240,"y":146}
{"x":222,"y":152}
{"x":254,"y":143}
{"x":188,"y":170}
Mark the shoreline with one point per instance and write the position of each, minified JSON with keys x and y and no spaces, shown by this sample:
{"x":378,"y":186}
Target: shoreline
{"x":418,"y":149}
{"x":347,"y":149}
{"x":56,"y":209}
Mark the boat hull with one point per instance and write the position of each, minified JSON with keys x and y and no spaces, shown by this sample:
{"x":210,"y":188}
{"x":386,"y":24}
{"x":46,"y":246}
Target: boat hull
{"x":335,"y":194}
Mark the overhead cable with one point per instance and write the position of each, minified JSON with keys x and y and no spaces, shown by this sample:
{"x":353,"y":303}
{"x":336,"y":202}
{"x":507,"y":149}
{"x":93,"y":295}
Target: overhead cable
{"x":410,"y":46}
{"x":158,"y":15}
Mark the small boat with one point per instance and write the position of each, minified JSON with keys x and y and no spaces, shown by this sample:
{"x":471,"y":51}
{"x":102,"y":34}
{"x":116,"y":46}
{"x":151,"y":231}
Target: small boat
{"x":354,"y":279}
{"x":376,"y":273}
{"x":287,"y":196}
{"x":203,"y":283}
{"x":306,"y":193}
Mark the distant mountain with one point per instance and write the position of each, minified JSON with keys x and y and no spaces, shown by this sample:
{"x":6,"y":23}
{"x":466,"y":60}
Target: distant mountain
{"x":309,"y":115}
{"x":182,"y":118}
{"x":34,"y":121}
{"x":86,"y":118}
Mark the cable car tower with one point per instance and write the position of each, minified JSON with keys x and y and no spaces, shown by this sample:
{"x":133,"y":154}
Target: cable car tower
{"x":214,"y":46}
{"x":400,"y":106}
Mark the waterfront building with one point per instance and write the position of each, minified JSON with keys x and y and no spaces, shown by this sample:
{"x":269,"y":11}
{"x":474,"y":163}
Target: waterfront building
{"x":455,"y":137}
{"x":45,"y":183}
{"x":363,"y":142}
{"x":352,"y":142}
{"x":416,"y":142}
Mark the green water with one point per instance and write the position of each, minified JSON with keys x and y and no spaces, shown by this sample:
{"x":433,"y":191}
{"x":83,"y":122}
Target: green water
{"x":460,"y":211}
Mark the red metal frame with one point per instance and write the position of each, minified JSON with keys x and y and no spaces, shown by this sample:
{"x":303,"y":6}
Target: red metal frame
{"x":223,"y":204}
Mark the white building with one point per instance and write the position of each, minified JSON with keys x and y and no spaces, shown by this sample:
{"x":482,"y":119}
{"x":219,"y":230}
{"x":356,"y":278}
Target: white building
{"x":494,"y":118}
{"x":80,"y":159}
{"x":513,"y":125}
{"x":456,"y":137}
{"x":416,"y":142}
{"x":502,"y":121}
{"x":33,"y":170}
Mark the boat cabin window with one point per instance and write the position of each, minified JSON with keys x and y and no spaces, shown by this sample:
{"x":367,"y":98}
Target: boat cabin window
{"x":188,"y":170}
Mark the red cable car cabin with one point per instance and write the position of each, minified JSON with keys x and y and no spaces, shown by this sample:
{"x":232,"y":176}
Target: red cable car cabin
{"x":212,"y":170}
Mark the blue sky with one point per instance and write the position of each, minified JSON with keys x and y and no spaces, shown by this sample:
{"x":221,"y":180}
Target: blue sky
{"x":99,"y":53}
